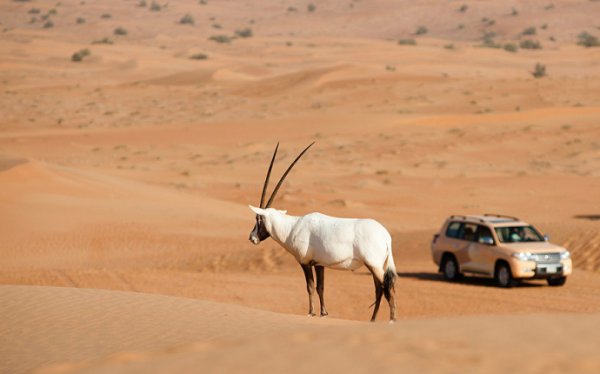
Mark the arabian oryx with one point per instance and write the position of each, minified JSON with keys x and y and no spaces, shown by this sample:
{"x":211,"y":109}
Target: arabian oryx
{"x":320,"y":241}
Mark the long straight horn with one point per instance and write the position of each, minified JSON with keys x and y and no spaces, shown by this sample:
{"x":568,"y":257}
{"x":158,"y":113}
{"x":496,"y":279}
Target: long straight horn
{"x":285,"y":174}
{"x":264,"y":191}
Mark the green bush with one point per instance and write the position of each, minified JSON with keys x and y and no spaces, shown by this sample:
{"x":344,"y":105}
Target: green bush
{"x":530,"y":44}
{"x":311,"y":7}
{"x":120,"y":31}
{"x":221,"y":39}
{"x":79,"y":55}
{"x":529,"y":31}
{"x":510,"y":47}
{"x":422,"y":30}
{"x":199,"y":56}
{"x":80,"y":20}
{"x":103,"y":41}
{"x":587,"y":40}
{"x":49,"y":24}
{"x":463,"y":8}
{"x":155,"y":7}
{"x":539,"y":70}
{"x":106,"y":16}
{"x":187,"y":20}
{"x":407,"y":42}
{"x":244,"y":33}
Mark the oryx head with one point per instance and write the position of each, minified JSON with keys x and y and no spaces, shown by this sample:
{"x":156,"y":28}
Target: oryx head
{"x":260,"y":232}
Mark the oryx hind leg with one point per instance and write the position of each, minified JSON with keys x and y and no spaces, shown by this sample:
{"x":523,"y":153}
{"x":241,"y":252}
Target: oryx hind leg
{"x":378,"y":282}
{"x":310,"y":287}
{"x":320,"y":271}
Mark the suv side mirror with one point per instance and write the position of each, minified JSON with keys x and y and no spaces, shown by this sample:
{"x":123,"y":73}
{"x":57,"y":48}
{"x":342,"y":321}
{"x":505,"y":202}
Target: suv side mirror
{"x":486,"y":240}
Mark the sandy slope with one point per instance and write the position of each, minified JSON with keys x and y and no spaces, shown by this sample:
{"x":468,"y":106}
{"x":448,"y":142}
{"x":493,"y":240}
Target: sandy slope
{"x":67,"y":330}
{"x":131,"y":171}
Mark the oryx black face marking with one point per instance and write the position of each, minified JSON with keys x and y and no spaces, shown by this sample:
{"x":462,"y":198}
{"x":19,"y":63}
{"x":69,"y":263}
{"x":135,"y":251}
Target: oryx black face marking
{"x":259,"y":232}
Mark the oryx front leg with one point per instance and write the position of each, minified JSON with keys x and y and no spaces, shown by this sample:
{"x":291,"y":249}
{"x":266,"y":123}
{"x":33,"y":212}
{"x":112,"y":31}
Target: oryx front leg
{"x":320,"y":270}
{"x":310,"y":287}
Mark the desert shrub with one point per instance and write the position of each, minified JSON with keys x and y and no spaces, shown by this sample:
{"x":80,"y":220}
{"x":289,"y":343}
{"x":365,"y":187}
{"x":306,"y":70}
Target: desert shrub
{"x":422,"y":30}
{"x":80,"y":55}
{"x":510,"y":47}
{"x":202,"y":2}
{"x":461,"y":26}
{"x":34,"y":11}
{"x":530,"y":44}
{"x":120,"y":31}
{"x":221,"y":39}
{"x":80,"y":20}
{"x":217,"y":26}
{"x":106,"y":16}
{"x":449,"y":46}
{"x":529,"y":31}
{"x":407,"y":42}
{"x":199,"y":56}
{"x":587,"y":40}
{"x":514,"y":12}
{"x":463,"y":8}
{"x":292,"y":9}
{"x":142,"y":3}
{"x":33,"y":20}
{"x":539,"y":70}
{"x":155,"y":7}
{"x":22,"y":1}
{"x":311,"y":7}
{"x":549,"y":7}
{"x":244,"y":33}
{"x":544,"y":26}
{"x":104,"y":40}
{"x":49,"y":24}
{"x":187,"y":20}
{"x":52,"y":12}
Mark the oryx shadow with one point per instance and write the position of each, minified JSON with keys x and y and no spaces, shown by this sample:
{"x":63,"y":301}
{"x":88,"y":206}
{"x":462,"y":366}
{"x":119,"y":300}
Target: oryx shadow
{"x":468,"y":280}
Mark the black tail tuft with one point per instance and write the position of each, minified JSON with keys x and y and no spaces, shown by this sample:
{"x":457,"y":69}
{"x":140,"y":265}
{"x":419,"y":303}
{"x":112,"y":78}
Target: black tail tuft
{"x":388,"y":283}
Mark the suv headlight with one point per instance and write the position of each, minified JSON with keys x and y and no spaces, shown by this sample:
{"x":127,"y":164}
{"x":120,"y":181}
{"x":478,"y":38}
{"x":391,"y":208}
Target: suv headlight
{"x":522,"y":256}
{"x":565,"y":255}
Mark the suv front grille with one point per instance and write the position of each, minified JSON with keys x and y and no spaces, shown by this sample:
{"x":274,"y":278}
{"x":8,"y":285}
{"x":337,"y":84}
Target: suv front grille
{"x":546,"y":258}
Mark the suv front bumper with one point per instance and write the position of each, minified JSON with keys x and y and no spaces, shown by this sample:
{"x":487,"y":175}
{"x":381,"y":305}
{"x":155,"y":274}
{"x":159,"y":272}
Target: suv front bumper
{"x":532,"y":269}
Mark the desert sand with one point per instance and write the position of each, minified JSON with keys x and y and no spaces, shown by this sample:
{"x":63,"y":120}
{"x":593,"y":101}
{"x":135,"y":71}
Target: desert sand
{"x":125,"y":179}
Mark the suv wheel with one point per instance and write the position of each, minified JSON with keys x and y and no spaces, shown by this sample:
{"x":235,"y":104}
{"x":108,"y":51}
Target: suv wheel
{"x":555,"y":282}
{"x":450,"y":268}
{"x":503,"y":275}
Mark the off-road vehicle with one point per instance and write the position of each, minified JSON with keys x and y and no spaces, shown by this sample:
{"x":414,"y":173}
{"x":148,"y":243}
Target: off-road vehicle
{"x":498,"y":246}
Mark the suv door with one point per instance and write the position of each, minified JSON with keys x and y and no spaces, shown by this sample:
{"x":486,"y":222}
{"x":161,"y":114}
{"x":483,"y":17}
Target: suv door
{"x":464,"y":247}
{"x":481,"y":251}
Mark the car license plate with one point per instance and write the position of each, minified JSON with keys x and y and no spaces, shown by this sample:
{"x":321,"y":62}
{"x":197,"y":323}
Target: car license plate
{"x":551,"y":269}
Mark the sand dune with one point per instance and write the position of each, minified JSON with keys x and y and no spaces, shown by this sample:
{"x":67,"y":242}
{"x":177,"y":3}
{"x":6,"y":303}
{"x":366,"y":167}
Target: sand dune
{"x":71,"y":330}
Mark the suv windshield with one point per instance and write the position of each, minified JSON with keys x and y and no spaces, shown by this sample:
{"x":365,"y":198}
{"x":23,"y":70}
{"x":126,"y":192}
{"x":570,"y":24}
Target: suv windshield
{"x":518,"y":234}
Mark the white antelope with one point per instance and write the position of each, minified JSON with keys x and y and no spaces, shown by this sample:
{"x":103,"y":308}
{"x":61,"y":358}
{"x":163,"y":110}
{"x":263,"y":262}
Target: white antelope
{"x":320,"y":241}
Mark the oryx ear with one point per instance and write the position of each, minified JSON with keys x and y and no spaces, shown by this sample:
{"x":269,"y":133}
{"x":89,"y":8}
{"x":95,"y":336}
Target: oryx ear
{"x":259,"y":211}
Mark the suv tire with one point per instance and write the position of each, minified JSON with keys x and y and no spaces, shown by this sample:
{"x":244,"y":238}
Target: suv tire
{"x":450,"y":268}
{"x":503,"y":275}
{"x":556,"y":282}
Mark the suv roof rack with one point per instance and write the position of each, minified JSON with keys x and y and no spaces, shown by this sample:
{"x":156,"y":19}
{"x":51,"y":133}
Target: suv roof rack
{"x":466,"y":217}
{"x":501,"y":216}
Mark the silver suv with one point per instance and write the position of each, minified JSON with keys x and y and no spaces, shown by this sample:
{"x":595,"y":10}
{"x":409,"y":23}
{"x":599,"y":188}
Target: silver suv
{"x":498,"y":246}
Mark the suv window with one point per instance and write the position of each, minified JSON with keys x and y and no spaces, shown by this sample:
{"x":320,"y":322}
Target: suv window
{"x":467,"y":232}
{"x":483,"y":232}
{"x":453,"y":229}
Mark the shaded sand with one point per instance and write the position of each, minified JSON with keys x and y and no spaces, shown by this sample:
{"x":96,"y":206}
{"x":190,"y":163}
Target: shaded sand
{"x":57,"y":330}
